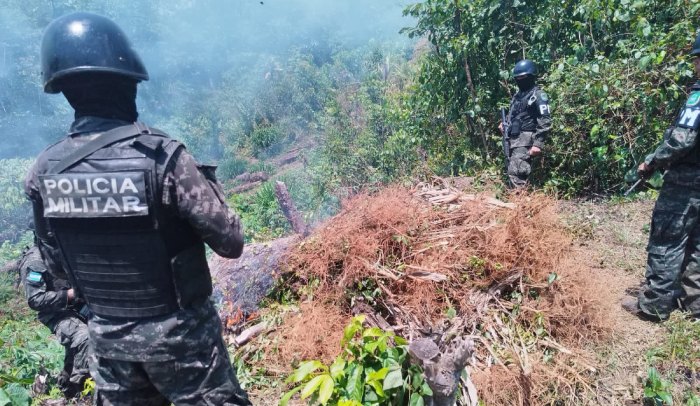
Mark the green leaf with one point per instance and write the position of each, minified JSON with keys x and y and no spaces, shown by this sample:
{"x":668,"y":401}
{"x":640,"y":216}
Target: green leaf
{"x":311,"y":386}
{"x":666,"y":398}
{"x":352,"y":328}
{"x":326,"y":391}
{"x":416,"y":400}
{"x":18,"y":395}
{"x":346,"y":402}
{"x":283,"y":402}
{"x":377,"y":375}
{"x":400,"y":340}
{"x":337,"y":368}
{"x":355,"y":387}
{"x":425,"y":389}
{"x":551,"y":278}
{"x":304,"y":370}
{"x":4,"y":398}
{"x":394,"y":379}
{"x":377,"y":386}
{"x":371,"y":347}
{"x":372,"y":332}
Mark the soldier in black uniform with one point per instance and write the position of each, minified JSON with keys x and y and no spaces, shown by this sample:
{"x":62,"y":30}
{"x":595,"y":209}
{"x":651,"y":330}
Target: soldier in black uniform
{"x":126,"y":210}
{"x":63,"y":313}
{"x":528,"y":124}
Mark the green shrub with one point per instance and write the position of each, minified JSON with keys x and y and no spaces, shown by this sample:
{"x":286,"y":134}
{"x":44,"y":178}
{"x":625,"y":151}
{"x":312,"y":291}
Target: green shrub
{"x":263,"y":137}
{"x":373,"y":369}
{"x":230,"y":167}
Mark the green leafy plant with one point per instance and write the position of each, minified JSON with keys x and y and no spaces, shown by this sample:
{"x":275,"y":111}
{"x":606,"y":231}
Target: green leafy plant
{"x":657,"y":391}
{"x":373,"y":369}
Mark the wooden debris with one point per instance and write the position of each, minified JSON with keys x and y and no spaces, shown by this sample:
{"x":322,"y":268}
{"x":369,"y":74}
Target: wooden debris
{"x":290,"y":210}
{"x":248,"y":177}
{"x":246,"y":187}
{"x":250,"y":333}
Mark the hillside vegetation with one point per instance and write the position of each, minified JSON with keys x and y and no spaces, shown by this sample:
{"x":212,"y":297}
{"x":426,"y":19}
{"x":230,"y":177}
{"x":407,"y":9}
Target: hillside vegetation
{"x":337,"y":113}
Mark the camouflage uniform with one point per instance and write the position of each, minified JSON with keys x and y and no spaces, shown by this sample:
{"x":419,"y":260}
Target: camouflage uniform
{"x":673,"y":261}
{"x":48,"y":296}
{"x":178,"y":357}
{"x":529,"y":123}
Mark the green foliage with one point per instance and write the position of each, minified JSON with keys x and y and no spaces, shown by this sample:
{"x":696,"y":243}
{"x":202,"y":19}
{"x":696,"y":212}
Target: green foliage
{"x":15,"y":210}
{"x":10,"y":251}
{"x":261,"y":215}
{"x":656,"y":390}
{"x":14,"y":395}
{"x":680,"y":349}
{"x":616,"y":71}
{"x":692,"y":399}
{"x":26,"y":349}
{"x":373,"y":369}
{"x":230,"y":167}
{"x":264,"y":137}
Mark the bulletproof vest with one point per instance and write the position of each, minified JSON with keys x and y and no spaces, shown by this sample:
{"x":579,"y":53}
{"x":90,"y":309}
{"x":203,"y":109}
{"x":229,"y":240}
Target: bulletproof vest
{"x":522,"y":113}
{"x":123,"y":251}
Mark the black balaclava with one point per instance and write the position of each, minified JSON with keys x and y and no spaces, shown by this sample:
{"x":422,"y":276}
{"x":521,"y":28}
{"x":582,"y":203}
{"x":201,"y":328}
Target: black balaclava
{"x":525,"y":83}
{"x":101,"y":95}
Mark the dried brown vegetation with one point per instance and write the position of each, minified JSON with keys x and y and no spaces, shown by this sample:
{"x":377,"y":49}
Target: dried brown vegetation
{"x":508,"y":272}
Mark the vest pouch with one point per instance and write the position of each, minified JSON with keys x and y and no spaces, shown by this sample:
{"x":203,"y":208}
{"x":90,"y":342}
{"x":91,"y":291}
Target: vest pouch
{"x":191,"y":276}
{"x":515,"y":127}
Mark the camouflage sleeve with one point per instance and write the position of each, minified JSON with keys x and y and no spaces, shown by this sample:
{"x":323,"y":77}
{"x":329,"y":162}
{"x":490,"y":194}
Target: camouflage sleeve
{"x":200,"y":201}
{"x":34,"y":273}
{"x":544,"y":120}
{"x":44,"y":239}
{"x":674,"y":147}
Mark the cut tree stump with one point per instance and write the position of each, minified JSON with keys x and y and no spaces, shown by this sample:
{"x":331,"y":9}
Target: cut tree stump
{"x":443,"y":364}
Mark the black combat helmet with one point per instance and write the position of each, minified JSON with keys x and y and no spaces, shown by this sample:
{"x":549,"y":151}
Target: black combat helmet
{"x":696,"y":47}
{"x":524,"y":68}
{"x":84,"y":42}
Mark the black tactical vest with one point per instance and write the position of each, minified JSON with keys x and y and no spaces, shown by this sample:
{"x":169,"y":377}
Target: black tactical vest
{"x":689,"y":119}
{"x":523,"y":114}
{"x":124,"y":253}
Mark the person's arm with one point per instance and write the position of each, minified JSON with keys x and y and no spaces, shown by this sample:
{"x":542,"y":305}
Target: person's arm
{"x":39,"y":298}
{"x":201,"y":202}
{"x":680,"y":141}
{"x":544,"y":120}
{"x":682,"y":137}
{"x":43,"y":237}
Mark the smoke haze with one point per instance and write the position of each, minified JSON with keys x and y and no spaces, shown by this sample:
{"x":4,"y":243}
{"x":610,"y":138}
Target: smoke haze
{"x":190,"y":47}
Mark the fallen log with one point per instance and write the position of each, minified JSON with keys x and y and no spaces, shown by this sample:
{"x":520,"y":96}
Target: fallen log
{"x":248,"y":177}
{"x":249,"y":334}
{"x":246,"y":187}
{"x":290,"y":210}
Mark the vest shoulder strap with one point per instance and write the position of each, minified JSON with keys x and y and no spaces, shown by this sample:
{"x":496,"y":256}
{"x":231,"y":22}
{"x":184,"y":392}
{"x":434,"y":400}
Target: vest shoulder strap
{"x":105,"y":139}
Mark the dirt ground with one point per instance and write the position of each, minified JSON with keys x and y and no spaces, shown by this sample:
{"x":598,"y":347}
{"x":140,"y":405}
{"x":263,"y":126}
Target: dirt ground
{"x":611,"y":241}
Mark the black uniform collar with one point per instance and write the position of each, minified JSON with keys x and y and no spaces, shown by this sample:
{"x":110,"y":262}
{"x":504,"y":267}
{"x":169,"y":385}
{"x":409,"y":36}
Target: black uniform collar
{"x":522,"y":93}
{"x":92,"y":124}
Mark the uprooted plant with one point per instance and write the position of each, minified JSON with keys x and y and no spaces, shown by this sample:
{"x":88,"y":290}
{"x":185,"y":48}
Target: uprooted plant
{"x":505,"y":271}
{"x":373,"y":368}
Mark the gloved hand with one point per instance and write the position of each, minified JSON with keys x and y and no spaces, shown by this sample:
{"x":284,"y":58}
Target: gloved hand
{"x":644,"y":171}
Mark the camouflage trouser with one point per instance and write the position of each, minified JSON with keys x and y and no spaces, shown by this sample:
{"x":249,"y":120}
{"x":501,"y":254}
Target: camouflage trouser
{"x":673,"y":261}
{"x":204,"y":379}
{"x":73,"y":336}
{"x":519,"y":166}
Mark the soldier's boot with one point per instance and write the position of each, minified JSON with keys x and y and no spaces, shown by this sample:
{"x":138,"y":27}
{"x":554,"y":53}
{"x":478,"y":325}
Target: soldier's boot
{"x":631,"y":305}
